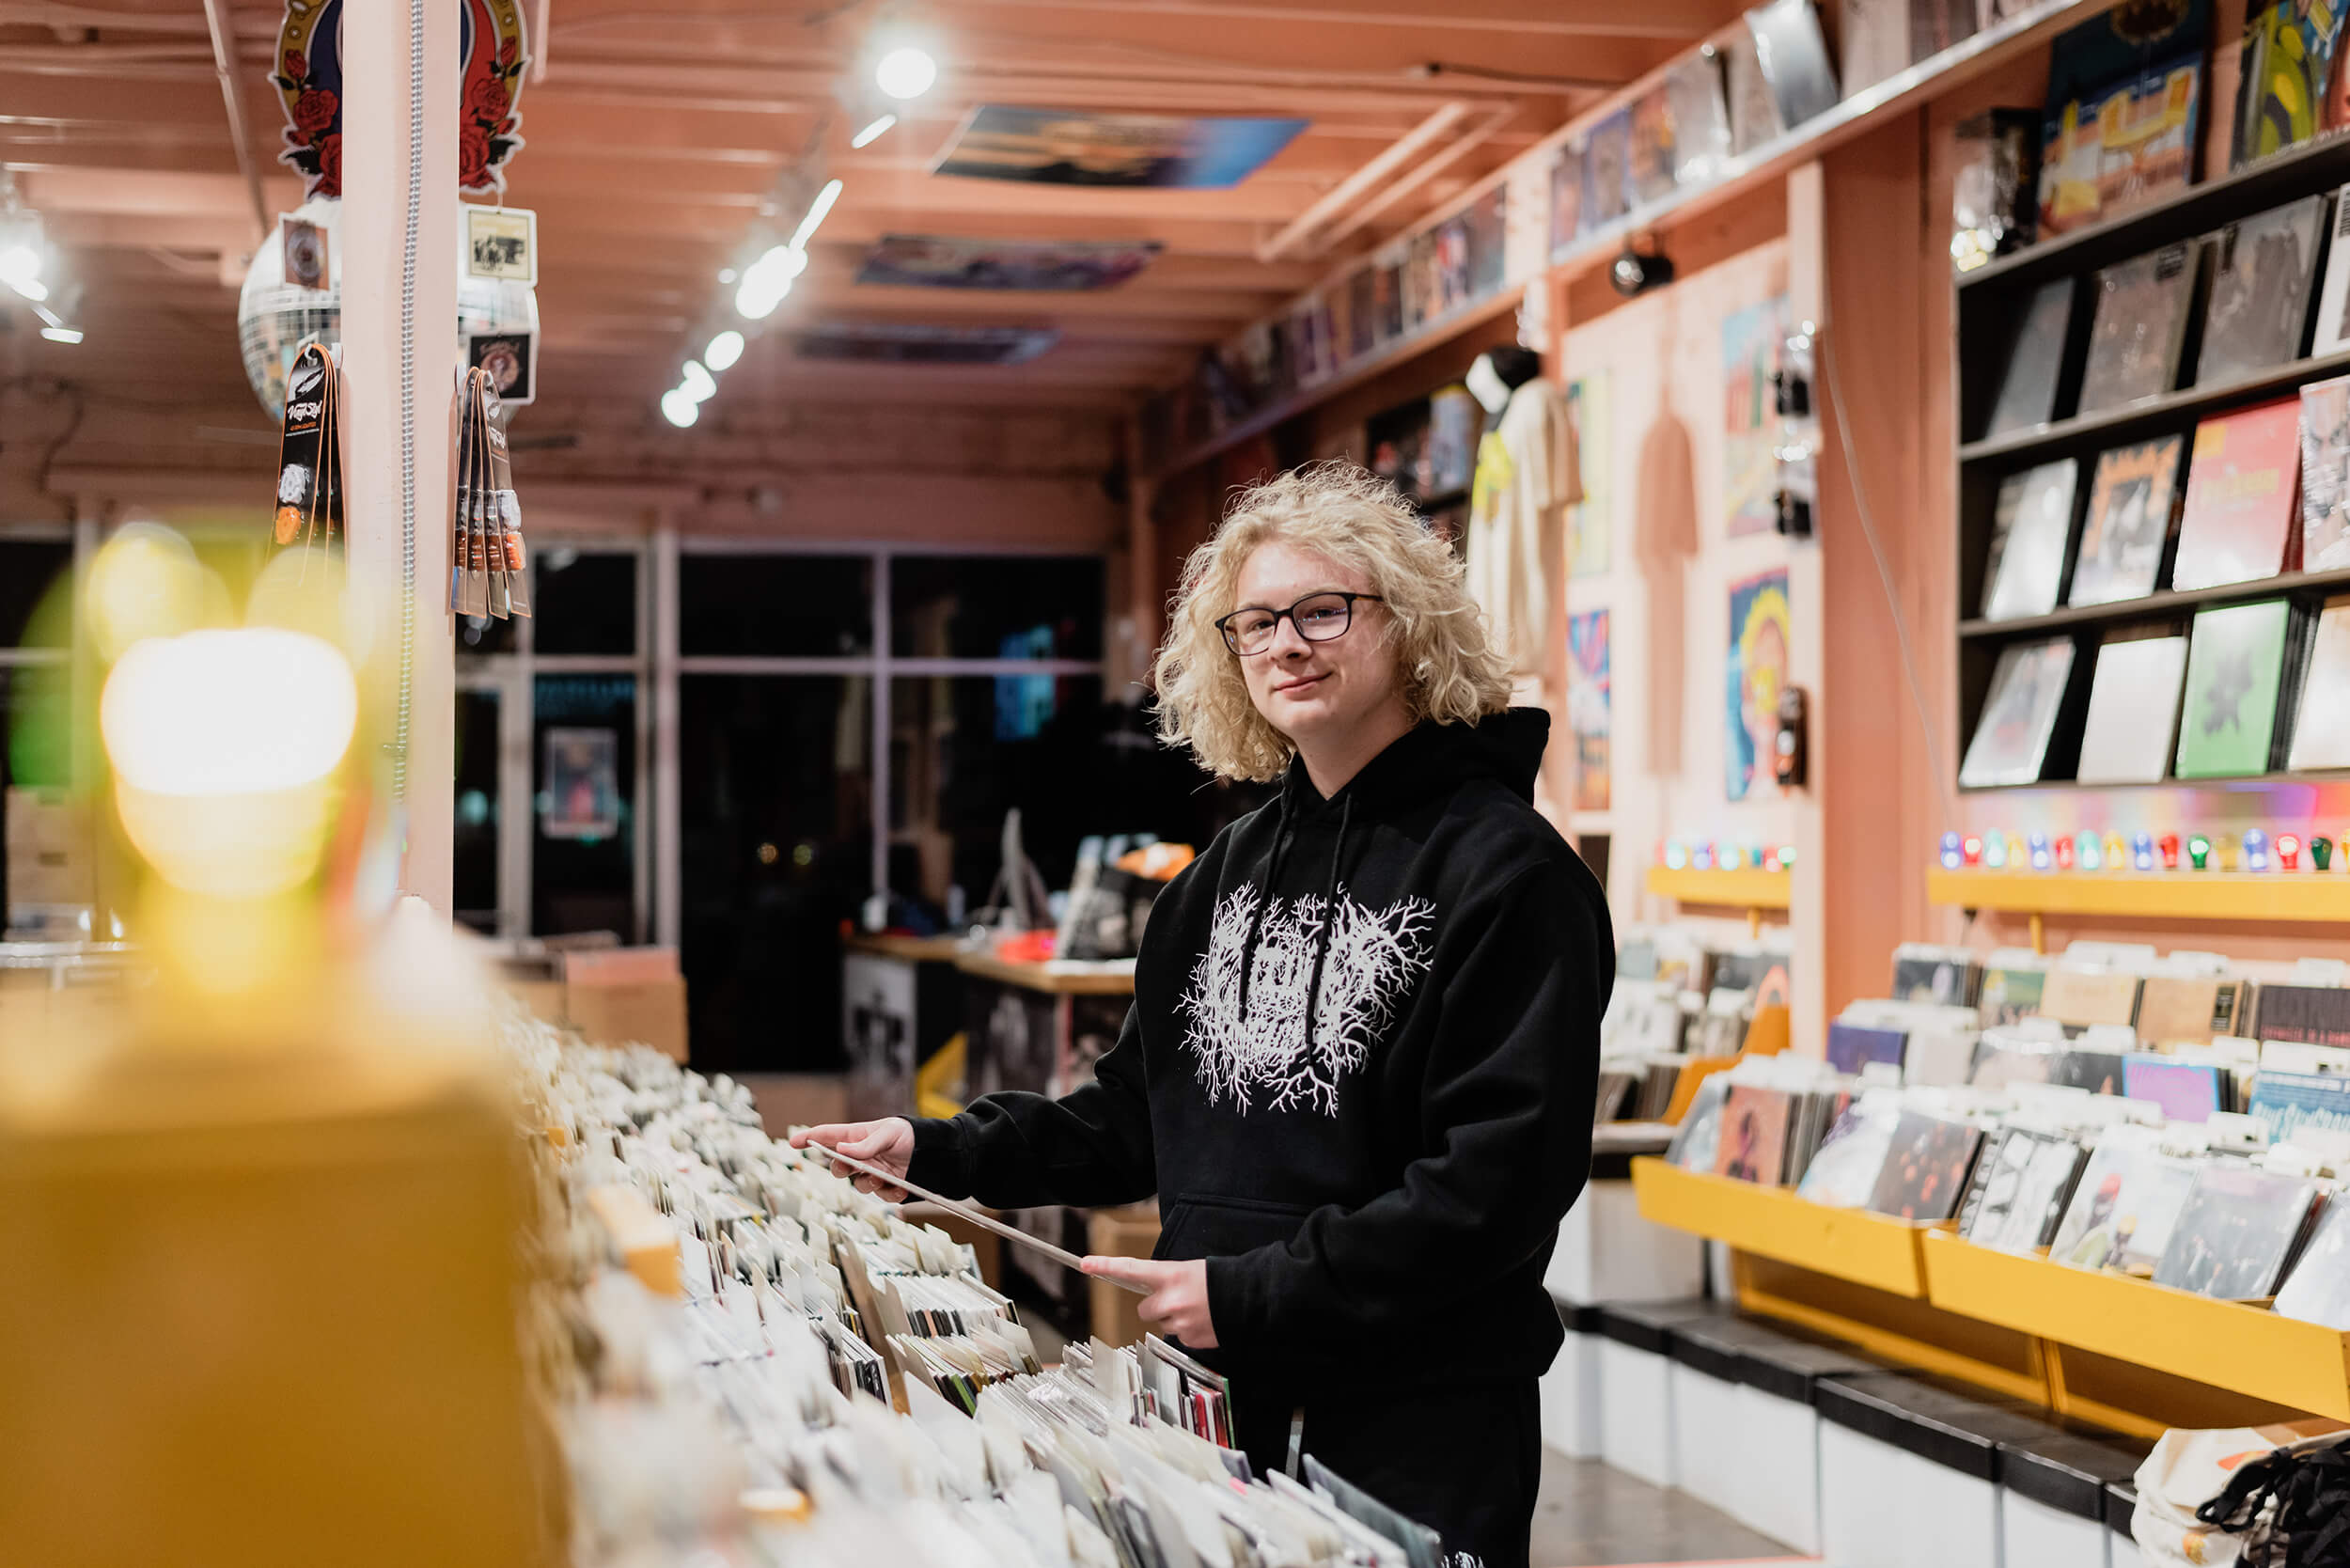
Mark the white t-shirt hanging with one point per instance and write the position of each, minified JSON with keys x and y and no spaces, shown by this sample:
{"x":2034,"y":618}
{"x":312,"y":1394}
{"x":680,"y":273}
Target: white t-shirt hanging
{"x":1527,"y":474}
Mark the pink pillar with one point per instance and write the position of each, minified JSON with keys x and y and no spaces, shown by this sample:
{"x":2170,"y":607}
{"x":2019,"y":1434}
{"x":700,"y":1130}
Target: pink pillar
{"x":389,"y":289}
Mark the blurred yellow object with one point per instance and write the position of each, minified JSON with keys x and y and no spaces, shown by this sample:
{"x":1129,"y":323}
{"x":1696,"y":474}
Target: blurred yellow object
{"x":936,"y":1076}
{"x":260,"y":1299}
{"x":146,"y":582}
{"x":224,"y":747}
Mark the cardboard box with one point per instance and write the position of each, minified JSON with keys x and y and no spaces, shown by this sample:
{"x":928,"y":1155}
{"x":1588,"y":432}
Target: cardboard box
{"x":1131,"y":1232}
{"x":651,"y":1012}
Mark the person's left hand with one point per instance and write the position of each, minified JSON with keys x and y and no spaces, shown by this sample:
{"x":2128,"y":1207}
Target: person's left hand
{"x":1178,"y":1303}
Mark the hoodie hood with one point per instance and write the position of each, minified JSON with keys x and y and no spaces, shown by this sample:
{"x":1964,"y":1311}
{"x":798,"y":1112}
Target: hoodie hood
{"x":1432,"y":760}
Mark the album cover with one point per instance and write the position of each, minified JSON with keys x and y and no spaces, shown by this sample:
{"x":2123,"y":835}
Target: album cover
{"x":2002,"y":1059}
{"x":1654,"y":156}
{"x":2305,"y":1014}
{"x":1793,"y":57}
{"x":1488,"y":223}
{"x":2125,"y":99}
{"x":2185,"y":1090}
{"x":2289,"y":1102}
{"x":1452,"y":265}
{"x":2261,"y":272}
{"x":2190,"y":1010}
{"x":1588,"y":704}
{"x":1753,"y":112}
{"x":2098,"y":1072}
{"x":2124,"y":1208}
{"x":2083,"y":997}
{"x":2028,"y":687}
{"x":2238,"y":522}
{"x":2317,"y":1288}
{"x":2126,"y":530}
{"x":2137,"y":326}
{"x":1754,"y":674}
{"x":1103,"y":147}
{"x":2284,"y":68}
{"x":1853,"y":1046}
{"x":2331,"y":333}
{"x":2009,"y":994}
{"x":1607,"y":171}
{"x":511,"y":359}
{"x":2325,"y":475}
{"x":2320,"y":724}
{"x":1843,"y":1172}
{"x":2031,"y":537}
{"x":2236,"y":1233}
{"x":1423,"y":282}
{"x":1697,"y":1142}
{"x":2035,"y":364}
{"x":1944,"y":977}
{"x":1701,"y":118}
{"x":2235,"y":672}
{"x":1056,"y":266}
{"x":1754,"y":1135}
{"x":1566,"y":196}
{"x":1874,"y":36}
{"x":2019,"y":1196}
{"x":2133,"y":711}
{"x":1387,"y":270}
{"x":1926,"y":1168}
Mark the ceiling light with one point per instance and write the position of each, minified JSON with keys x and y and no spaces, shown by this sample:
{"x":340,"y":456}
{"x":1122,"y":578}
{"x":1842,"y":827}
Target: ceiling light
{"x":767,"y":280}
{"x":679,"y":409}
{"x":697,"y":383}
{"x":21,"y":268}
{"x":817,"y":211}
{"x":724,"y":351}
{"x":727,"y":274}
{"x":905,"y":73}
{"x":62,"y":333}
{"x":874,"y":131}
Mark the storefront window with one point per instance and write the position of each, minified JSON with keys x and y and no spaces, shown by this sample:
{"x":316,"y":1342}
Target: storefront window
{"x":776,"y":777}
{"x":794,"y":606}
{"x":583,"y":873}
{"x":585,"y":601}
{"x":996,"y":607}
{"x":475,"y":837}
{"x":29,"y":569}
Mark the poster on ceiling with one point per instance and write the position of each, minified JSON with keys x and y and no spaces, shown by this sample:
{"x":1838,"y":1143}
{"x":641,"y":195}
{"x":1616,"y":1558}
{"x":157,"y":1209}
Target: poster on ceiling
{"x":1052,"y":266}
{"x":1751,"y":340}
{"x":1084,"y":147}
{"x":920,"y":343}
{"x":1590,"y":523}
{"x":1587,"y":699}
{"x":1761,"y":633}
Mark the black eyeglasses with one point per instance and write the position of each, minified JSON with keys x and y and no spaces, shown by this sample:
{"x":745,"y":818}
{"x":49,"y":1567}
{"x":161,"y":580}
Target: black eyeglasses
{"x":1318,"y":617}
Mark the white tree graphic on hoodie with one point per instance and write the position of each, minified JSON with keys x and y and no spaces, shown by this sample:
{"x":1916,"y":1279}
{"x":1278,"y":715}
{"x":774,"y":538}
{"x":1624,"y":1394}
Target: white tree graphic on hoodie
{"x":1374,"y":958}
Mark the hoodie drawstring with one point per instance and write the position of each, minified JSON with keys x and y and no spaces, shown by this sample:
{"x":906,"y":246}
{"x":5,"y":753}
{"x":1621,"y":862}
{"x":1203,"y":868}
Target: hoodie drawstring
{"x":1329,"y":919}
{"x":1264,"y":901}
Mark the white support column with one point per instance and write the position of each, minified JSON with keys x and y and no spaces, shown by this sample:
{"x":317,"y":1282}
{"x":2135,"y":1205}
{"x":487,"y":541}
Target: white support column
{"x":399,"y":324}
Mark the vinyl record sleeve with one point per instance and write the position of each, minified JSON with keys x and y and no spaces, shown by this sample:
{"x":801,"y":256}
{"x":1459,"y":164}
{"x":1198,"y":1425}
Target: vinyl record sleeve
{"x":1793,"y":52}
{"x":2305,"y":1014}
{"x":2189,"y":1009}
{"x":1843,"y":1171}
{"x":2325,"y":475}
{"x":2010,"y":741}
{"x":1754,"y":1135}
{"x":2035,"y":364}
{"x":1753,"y":112}
{"x":2331,"y":333}
{"x":2010,"y":994}
{"x":2126,"y":530}
{"x":1926,"y":1168}
{"x":2236,"y":1232}
{"x":2235,"y":674}
{"x":2031,"y":538}
{"x":2138,"y":326}
{"x":1607,"y":171}
{"x":2317,"y":1288}
{"x":2239,"y":522}
{"x":2132,"y":712}
{"x":2320,"y":724}
{"x":2124,"y":1208}
{"x":2261,"y":270}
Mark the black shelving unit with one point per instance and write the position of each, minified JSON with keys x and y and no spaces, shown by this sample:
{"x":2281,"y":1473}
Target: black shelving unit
{"x":1992,"y":302}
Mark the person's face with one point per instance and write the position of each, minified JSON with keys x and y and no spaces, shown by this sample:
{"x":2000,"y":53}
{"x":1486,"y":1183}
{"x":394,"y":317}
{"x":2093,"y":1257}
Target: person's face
{"x":1311,"y":691}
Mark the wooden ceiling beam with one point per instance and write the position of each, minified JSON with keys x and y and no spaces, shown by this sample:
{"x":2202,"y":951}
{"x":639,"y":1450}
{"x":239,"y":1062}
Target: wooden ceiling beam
{"x":1575,"y":19}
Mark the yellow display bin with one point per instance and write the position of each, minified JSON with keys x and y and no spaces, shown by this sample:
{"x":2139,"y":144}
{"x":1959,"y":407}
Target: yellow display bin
{"x":1848,"y":1244}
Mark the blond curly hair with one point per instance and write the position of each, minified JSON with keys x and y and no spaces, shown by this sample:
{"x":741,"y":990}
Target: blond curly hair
{"x":1452,"y":672}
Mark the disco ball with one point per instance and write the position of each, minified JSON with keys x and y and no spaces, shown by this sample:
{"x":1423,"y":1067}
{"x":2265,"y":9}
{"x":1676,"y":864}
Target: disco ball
{"x":277,"y":316}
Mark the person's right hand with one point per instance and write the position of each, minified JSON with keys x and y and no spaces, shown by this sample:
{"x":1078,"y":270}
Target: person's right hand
{"x":887,"y":1144}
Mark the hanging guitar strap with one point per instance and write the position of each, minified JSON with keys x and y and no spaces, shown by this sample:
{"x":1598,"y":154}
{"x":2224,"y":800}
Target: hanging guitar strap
{"x":477,"y":522}
{"x":301,"y":444}
{"x":461,"y":510}
{"x":504,"y":503}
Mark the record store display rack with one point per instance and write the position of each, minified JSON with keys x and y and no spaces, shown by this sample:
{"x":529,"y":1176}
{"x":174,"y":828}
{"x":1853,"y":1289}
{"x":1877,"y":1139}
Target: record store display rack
{"x":2154,"y":571}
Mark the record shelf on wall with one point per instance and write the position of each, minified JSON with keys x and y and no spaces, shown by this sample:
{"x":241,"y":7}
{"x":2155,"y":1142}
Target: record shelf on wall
{"x":2090,"y":500}
{"x":2207,"y":896}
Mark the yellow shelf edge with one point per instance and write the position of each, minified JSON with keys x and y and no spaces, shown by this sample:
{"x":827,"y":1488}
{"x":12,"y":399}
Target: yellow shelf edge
{"x":1744,"y":889}
{"x":1847,"y":1244}
{"x":2246,"y":1350}
{"x":2250,"y":896}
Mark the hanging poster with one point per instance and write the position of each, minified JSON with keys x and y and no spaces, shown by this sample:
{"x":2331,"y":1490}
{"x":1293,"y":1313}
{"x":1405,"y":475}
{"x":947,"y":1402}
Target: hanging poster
{"x":1591,"y":522}
{"x":1091,"y":147}
{"x":1759,"y":636}
{"x":1587,"y":707}
{"x":583,"y":775}
{"x":1052,"y":266}
{"x":1751,"y":340}
{"x":310,"y":83}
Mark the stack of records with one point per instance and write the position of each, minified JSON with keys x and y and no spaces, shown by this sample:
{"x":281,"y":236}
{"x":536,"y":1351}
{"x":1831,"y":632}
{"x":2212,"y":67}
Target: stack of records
{"x":2243,"y":675}
{"x":2238,"y":1233}
{"x":1926,"y":1168}
{"x":2138,"y":326}
{"x":2124,"y":1206}
{"x":2261,"y":274}
{"x":2021,"y":1186}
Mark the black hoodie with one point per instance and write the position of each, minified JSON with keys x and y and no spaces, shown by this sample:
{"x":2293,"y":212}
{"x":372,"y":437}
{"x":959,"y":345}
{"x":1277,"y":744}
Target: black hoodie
{"x":1358,"y":1073}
